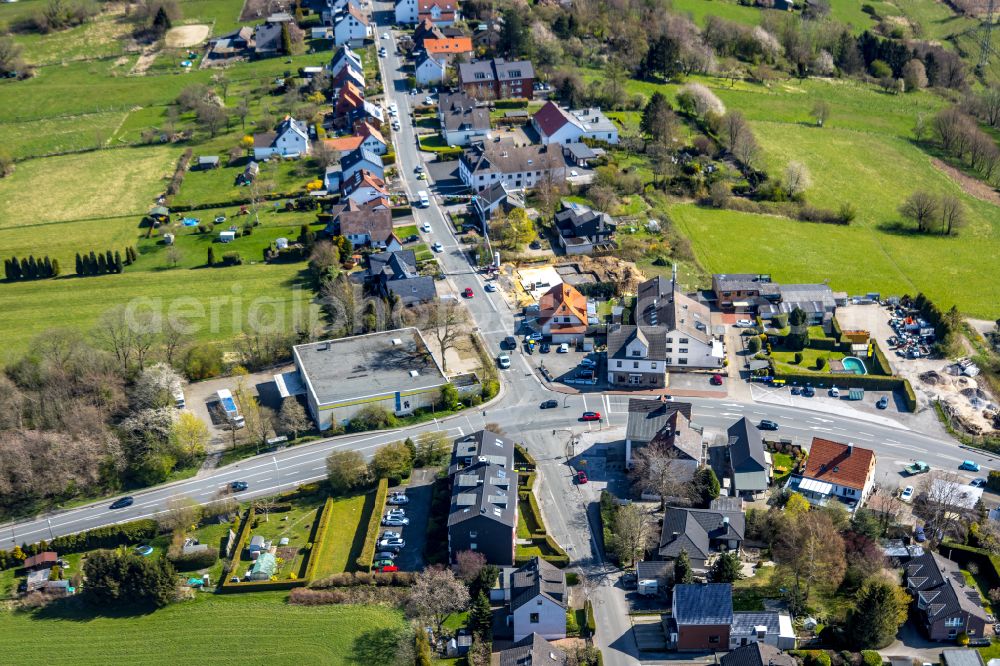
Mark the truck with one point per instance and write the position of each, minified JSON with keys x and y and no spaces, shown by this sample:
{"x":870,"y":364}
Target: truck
{"x":229,"y":408}
{"x":918,"y":467}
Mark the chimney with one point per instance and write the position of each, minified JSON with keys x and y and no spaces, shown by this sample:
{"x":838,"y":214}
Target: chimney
{"x":725,"y":521}
{"x":850,"y":448}
{"x":676,"y":534}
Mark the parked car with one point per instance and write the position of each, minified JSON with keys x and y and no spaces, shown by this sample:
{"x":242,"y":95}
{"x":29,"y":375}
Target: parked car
{"x":396,"y":512}
{"x":383,"y":563}
{"x":716,"y":380}
{"x":969,"y":465}
{"x":563,"y":348}
{"x":503,"y":361}
{"x":581,"y":477}
{"x":907,"y":494}
{"x":883,"y":402}
{"x":467,"y":292}
{"x":238,"y":486}
{"x":808,"y":391}
{"x":591,"y":416}
{"x":399,"y":498}
{"x":978,"y":483}
{"x":919,"y":535}
{"x":490,"y":287}
{"x":549,"y":404}
{"x":425,"y":227}
{"x":796,"y":390}
{"x":533,"y":337}
{"x":588,"y":363}
{"x":419,"y":168}
{"x":437,"y":247}
{"x":395,"y":521}
{"x":545,"y":348}
{"x":388,"y":568}
{"x":386,"y":555}
{"x":744,"y":323}
{"x":390,"y":534}
{"x":765,"y":424}
{"x":392,"y":544}
{"x":123,"y":502}
{"x":834,"y":392}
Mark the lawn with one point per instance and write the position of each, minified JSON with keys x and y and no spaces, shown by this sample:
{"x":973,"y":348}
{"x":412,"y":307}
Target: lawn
{"x":296,"y":526}
{"x":345,"y":536}
{"x":59,"y":135}
{"x":272,"y":631}
{"x":785,"y":360}
{"x":101,"y":184}
{"x":749,"y":595}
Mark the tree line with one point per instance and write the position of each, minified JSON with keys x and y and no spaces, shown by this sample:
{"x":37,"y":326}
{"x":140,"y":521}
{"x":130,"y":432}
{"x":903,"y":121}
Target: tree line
{"x":101,"y":263}
{"x":30,"y":268}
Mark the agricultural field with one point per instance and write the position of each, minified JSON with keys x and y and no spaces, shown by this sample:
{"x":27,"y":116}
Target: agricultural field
{"x":273,"y":631}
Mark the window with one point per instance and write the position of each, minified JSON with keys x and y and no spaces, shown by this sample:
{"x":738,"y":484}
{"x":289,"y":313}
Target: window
{"x":682,"y":361}
{"x":670,"y":340}
{"x":713,"y":640}
{"x":668,"y":361}
{"x":683,"y":350}
{"x":953,"y":621}
{"x":653,"y":366}
{"x":635,"y":364}
{"x":472,"y":546}
{"x":683,"y":341}
{"x":533,"y":618}
{"x":636,"y":352}
{"x":619,"y":364}
{"x":473,"y":534}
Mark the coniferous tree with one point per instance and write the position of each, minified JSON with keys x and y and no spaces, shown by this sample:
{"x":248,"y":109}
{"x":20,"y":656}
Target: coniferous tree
{"x":79,"y":264}
{"x":682,"y":569}
{"x":93,"y":263}
{"x":119,"y":267}
{"x":25,"y":270}
{"x":48,"y":267}
{"x":7,"y":272}
{"x":109,"y":259}
{"x":15,"y":267}
{"x":55,"y":268}
{"x":102,"y":265}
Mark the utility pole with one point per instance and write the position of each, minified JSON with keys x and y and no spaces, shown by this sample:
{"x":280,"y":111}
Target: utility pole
{"x":985,"y":41}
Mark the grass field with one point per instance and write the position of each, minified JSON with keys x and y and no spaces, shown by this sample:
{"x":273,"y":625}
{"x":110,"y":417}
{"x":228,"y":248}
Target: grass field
{"x":107,"y":183}
{"x":240,"y":628}
{"x":345,"y":536}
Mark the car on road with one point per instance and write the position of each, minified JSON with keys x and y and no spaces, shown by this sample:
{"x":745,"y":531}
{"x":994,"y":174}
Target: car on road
{"x":123,"y":502}
{"x":238,"y":486}
{"x":574,"y":173}
{"x":591,"y":416}
{"x":907,"y":494}
{"x":382,"y":52}
{"x":588,"y":363}
{"x":716,"y":380}
{"x":883,"y":402}
{"x":545,"y":348}
{"x":563,"y":348}
{"x":385,"y":35}
{"x":765,"y":424}
{"x":468,"y":293}
{"x":581,"y":477}
{"x":419,"y":168}
{"x":549,"y":404}
{"x":399,"y":499}
{"x":395,"y":521}
{"x":490,"y":287}
{"x":392,"y":544}
{"x":425,"y":227}
{"x":978,"y":483}
{"x":437,"y":247}
{"x":744,"y":323}
{"x":969,"y":465}
{"x":421,"y":176}
{"x":509,"y":342}
{"x":503,"y":361}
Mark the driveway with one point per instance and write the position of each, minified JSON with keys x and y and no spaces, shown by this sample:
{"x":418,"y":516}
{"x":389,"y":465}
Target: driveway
{"x":419,"y":490}
{"x":911,"y":643}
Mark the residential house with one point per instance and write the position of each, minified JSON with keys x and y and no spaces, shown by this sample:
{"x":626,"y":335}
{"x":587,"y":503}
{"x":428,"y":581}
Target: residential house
{"x":963,"y":656}
{"x":583,"y":230}
{"x":351,"y":26}
{"x":332,"y":178}
{"x":665,"y":423}
{"x":236,"y":44}
{"x":758,"y":654}
{"x":701,"y":533}
{"x":558,"y":125}
{"x":447,"y":46}
{"x":395,"y":272}
{"x":350,"y":108}
{"x":347,"y":75}
{"x":364,"y":187}
{"x":946,"y":606}
{"x":563,"y":314}
{"x":701,"y":616}
{"x":438,"y":12}
{"x":519,"y":167}
{"x":487,"y":36}
{"x":769,"y":629}
{"x":345,"y":57}
{"x":368,"y":137}
{"x":482,"y":446}
{"x":495,"y":197}
{"x":818,"y":301}
{"x":532,"y":650}
{"x":538,"y":600}
{"x":740,"y":292}
{"x":267,"y":40}
{"x":483,"y":512}
{"x":431,"y":69}
{"x":361,"y":159}
{"x":289,"y":139}
{"x":580,"y":154}
{"x":344,"y":144}
{"x":462,"y":120}
{"x":425,"y":30}
{"x":497,"y":79}
{"x":749,"y":465}
{"x":43,"y":560}
{"x":406,"y":11}
{"x":264,"y":567}
{"x":372,"y":139}
{"x":836,"y":471}
{"x":637,"y":356}
{"x":685,"y":321}
{"x":364,"y":226}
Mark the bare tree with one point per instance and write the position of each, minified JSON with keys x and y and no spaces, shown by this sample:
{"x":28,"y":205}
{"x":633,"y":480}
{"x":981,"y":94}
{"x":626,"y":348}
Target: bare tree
{"x":446,"y":321}
{"x":747,"y":151}
{"x":943,"y":500}
{"x":797,"y":178}
{"x":468,"y":564}
{"x":265,"y":505}
{"x":632,"y":533}
{"x":812,"y":552}
{"x":435,"y":594}
{"x":952,"y":214}
{"x":292,"y":417}
{"x":886,"y":505}
{"x":180,"y":515}
{"x":820,"y":112}
{"x":655,"y":468}
{"x":734,"y":126}
{"x":174,"y":256}
{"x":921,"y":208}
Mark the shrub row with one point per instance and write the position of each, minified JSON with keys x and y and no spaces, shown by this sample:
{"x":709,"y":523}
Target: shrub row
{"x":402,"y":211}
{"x":389,"y":159}
{"x":261,"y":586}
{"x":367,"y":556}
{"x":319,"y":538}
{"x":550,"y":551}
{"x":242,"y":535}
{"x":909,"y":396}
{"x":838,"y":332}
{"x":272,"y":196}
{"x":195,"y":561}
{"x":112,"y":536}
{"x":607,"y":518}
{"x":879,"y":362}
{"x":178,"y":177}
{"x":353,"y":579}
{"x":523,"y":459}
{"x":989,"y":565}
{"x":828,"y":344}
{"x":591,"y":621}
{"x":531,"y":514}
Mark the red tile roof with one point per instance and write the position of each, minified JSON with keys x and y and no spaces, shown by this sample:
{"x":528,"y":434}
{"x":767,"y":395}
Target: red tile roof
{"x":837,"y":463}
{"x":48,"y":557}
{"x":366,"y":129}
{"x":344,"y":143}
{"x":550,"y":118}
{"x":562,"y":300}
{"x":448,"y":45}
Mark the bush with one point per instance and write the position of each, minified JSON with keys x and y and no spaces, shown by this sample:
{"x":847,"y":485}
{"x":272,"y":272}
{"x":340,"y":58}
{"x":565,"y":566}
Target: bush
{"x":572,"y":627}
{"x":112,"y":536}
{"x":195,"y":561}
{"x":372,"y":417}
{"x":798,"y":357}
{"x":319,"y":538}
{"x":820,"y":362}
{"x":231,"y":259}
{"x":364,"y":560}
{"x":871,"y":658}
{"x":202,"y":362}
{"x":879,"y":363}
{"x":531,"y":514}
{"x":909,"y":396}
{"x":591,"y":622}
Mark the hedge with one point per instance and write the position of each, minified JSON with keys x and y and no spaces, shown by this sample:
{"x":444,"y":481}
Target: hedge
{"x":319,"y":538}
{"x":522,"y":458}
{"x":607,"y":516}
{"x":195,"y":561}
{"x":591,"y":622}
{"x":572,"y":626}
{"x":511,"y":103}
{"x":367,"y":556}
{"x":909,"y":396}
{"x":846,"y":380}
{"x":550,"y":551}
{"x":989,"y":565}
{"x":837,"y":331}
{"x":402,"y":211}
{"x":389,"y":159}
{"x":241,"y":538}
{"x":111,"y":536}
{"x":531,"y":514}
{"x":828,"y":344}
{"x":879,"y":361}
{"x":261,"y":586}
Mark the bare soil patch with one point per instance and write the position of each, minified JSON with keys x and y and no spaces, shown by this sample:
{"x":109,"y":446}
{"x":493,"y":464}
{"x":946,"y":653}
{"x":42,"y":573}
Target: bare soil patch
{"x":187,"y":35}
{"x":258,"y":9}
{"x":971,"y":186}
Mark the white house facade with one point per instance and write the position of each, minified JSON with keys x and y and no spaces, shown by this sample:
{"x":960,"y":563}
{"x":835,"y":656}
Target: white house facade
{"x":406,"y":11}
{"x":431,"y":71}
{"x":351,"y":27}
{"x":542,"y":616}
{"x":291,"y":139}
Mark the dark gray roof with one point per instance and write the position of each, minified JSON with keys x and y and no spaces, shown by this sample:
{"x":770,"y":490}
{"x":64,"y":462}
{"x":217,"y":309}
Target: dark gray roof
{"x":357,"y":155}
{"x":941,"y":588}
{"x":703,"y":604}
{"x":397,"y":272}
{"x":647,"y":417}
{"x":461,"y":115}
{"x":497,"y":449}
{"x":578,"y":221}
{"x":532,"y":650}
{"x":693,"y":530}
{"x":497,"y":69}
{"x":654,"y":338}
{"x":961,"y":657}
{"x":497,"y":192}
{"x":746,"y":621}
{"x":506,"y":157}
{"x":419,"y":289}
{"x":653,"y":569}
{"x":746,"y":447}
{"x":580,"y":151}
{"x":537,"y":577}
{"x":484,"y":490}
{"x":660,"y":303}
{"x":758,"y":654}
{"x":267,"y":38}
{"x":744,"y":282}
{"x":396,"y":265}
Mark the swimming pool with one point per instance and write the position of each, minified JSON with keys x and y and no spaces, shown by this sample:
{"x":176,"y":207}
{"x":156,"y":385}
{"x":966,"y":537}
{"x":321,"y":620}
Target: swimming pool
{"x":855,"y":365}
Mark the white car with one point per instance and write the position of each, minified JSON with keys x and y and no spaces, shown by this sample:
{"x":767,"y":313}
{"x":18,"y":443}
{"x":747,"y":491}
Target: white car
{"x":425,"y":227}
{"x":574,"y":173}
{"x":907,"y":494}
{"x":563,"y":348}
{"x":744,"y":323}
{"x":503,"y":361}
{"x":428,"y":100}
{"x":437,"y":247}
{"x":588,"y":363}
{"x":490,"y":287}
{"x":385,"y":35}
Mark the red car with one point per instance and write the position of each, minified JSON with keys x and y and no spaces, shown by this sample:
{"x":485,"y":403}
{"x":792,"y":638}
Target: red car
{"x":581,"y":477}
{"x":388,"y":568}
{"x":591,"y":416}
{"x":468,"y":292}
{"x":716,"y":380}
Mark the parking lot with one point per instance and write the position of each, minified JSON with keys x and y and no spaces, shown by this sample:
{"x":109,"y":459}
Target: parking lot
{"x":411,"y":557}
{"x":563,"y":367}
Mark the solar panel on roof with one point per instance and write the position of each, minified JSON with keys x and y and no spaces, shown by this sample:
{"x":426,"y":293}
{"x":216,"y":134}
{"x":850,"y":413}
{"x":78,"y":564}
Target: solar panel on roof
{"x":465,"y":499}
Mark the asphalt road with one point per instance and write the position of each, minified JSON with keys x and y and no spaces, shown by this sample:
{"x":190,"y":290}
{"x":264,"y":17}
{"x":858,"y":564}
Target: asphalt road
{"x":568,"y":509}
